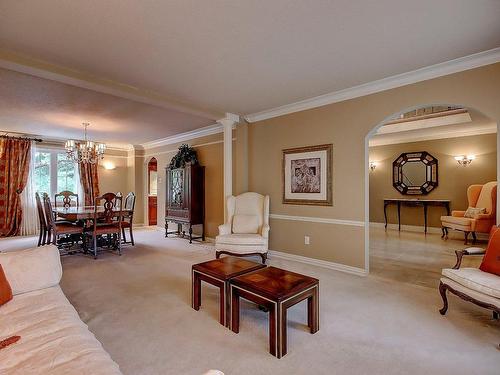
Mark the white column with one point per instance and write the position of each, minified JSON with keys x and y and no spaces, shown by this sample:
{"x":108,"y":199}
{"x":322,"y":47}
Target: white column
{"x":228,"y":122}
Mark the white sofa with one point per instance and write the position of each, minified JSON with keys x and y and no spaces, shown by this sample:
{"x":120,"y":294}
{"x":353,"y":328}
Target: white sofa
{"x":471,"y":284}
{"x":53,"y":338}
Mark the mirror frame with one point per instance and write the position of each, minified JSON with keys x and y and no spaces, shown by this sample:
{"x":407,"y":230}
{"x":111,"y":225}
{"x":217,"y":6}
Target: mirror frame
{"x":431,"y":172}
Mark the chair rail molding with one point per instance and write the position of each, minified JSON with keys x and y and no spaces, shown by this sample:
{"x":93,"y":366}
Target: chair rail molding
{"x":324,"y":220}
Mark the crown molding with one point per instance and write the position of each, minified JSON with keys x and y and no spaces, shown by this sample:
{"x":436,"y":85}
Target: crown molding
{"x":385,"y":139}
{"x":216,"y":128}
{"x":433,"y":71}
{"x":181,"y":137}
{"x":427,"y":123}
{"x":73,"y":77}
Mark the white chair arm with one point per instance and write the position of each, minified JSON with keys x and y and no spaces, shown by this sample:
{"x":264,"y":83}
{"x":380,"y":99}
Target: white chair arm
{"x":265,"y":231}
{"x":224,"y":229}
{"x":32,"y":269}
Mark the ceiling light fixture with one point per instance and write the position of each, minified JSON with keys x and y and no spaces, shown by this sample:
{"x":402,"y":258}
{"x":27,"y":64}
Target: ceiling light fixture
{"x":464,"y":160}
{"x":84,"y":151}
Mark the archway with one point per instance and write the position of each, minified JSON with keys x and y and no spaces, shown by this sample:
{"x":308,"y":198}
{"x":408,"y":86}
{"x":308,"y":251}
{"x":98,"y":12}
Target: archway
{"x":152,"y":187}
{"x":371,"y":227}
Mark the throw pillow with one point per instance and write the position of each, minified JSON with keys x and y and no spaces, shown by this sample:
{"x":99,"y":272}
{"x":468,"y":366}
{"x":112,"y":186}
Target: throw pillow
{"x":472,"y":212}
{"x":5,"y":289}
{"x":491,"y":260}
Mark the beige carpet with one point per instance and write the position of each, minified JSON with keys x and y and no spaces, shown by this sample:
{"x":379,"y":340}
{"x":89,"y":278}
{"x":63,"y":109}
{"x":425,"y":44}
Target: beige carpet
{"x":138,"y":306}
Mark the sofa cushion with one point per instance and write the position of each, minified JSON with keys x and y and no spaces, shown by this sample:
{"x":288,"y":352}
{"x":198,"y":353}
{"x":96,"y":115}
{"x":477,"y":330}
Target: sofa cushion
{"x":239,"y":239}
{"x":32,"y":269}
{"x":53,"y":338}
{"x":491,"y":260}
{"x":460,"y":223}
{"x":245,"y":224}
{"x":475,"y":279}
{"x":471,"y":293}
{"x":5,"y":289}
{"x":463,"y":221}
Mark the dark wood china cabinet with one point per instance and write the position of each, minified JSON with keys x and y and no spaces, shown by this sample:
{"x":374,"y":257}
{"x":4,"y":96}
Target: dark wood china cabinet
{"x":185,"y":200}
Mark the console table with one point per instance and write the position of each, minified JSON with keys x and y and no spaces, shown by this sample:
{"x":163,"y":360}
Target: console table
{"x":415,"y":203}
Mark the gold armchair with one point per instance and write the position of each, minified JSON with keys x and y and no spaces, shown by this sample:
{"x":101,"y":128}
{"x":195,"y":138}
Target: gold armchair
{"x":479,"y":196}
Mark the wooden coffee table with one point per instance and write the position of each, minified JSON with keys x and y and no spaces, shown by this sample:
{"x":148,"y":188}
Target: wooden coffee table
{"x":219,"y":272}
{"x":276,"y":289}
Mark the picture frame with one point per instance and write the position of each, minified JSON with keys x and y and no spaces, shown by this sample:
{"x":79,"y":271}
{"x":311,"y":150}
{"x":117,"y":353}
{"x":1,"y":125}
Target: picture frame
{"x":307,"y":175}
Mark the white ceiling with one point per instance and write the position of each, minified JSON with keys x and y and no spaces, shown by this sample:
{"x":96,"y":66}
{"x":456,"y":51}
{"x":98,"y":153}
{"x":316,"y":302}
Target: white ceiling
{"x":54,"y":110}
{"x":247,"y":56}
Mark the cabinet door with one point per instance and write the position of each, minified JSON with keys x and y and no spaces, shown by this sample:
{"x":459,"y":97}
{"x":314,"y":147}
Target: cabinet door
{"x":176,"y":188}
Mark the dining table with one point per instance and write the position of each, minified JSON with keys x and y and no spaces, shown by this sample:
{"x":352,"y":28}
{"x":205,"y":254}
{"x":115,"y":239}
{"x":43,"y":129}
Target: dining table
{"x":84,"y":213}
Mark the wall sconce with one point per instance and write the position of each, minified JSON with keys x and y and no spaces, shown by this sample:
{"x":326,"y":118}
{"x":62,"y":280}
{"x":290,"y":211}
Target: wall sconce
{"x":109,"y":165}
{"x":373,"y":165}
{"x":464,"y":160}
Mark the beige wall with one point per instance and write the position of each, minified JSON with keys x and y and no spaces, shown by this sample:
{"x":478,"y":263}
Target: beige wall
{"x":130,"y":174}
{"x":210,"y":153}
{"x":346,"y":124}
{"x":453,"y":178}
{"x":113,"y":180}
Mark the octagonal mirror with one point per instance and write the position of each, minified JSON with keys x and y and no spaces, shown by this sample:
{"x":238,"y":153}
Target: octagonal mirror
{"x":415,"y":173}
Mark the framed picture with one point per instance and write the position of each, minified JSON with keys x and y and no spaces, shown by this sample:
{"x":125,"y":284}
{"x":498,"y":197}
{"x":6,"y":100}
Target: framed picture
{"x":307,"y":175}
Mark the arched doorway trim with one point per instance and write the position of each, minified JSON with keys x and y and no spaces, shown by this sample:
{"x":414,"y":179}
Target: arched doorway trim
{"x":372,"y":132}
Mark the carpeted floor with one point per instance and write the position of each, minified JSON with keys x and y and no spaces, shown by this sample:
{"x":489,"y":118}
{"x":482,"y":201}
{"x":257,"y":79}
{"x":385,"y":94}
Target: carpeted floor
{"x":138,"y":306}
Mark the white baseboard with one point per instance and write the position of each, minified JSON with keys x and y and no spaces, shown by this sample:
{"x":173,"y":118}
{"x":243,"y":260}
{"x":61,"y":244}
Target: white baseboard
{"x":453,"y":234}
{"x":318,"y":262}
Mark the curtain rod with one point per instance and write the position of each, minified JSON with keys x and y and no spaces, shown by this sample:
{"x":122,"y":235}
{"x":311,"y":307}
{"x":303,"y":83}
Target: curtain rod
{"x":26,"y":138}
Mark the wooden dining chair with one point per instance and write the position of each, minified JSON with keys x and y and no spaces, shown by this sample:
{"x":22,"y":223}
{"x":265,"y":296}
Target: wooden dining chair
{"x":56,"y":229}
{"x":108,"y":223}
{"x":118,"y":194}
{"x":42,"y":220}
{"x":66,"y":198}
{"x":128,"y":218}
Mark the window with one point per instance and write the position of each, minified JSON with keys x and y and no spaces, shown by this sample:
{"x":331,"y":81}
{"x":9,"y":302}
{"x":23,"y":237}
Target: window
{"x":66,"y":174}
{"x":53,"y":173}
{"x":42,"y":172}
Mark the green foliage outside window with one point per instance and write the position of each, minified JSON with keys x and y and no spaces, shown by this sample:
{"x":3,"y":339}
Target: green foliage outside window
{"x":63,"y":177}
{"x":65,"y":174}
{"x":42,"y":172}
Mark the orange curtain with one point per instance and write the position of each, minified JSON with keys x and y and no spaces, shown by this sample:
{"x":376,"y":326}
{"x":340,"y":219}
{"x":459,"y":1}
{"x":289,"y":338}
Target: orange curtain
{"x":90,"y":182}
{"x":14,"y":168}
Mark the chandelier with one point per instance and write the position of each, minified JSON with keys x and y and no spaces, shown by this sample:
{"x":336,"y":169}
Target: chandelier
{"x":84,"y":151}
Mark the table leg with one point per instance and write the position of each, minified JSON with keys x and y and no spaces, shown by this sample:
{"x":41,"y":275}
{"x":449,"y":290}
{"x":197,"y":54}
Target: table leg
{"x":282,"y":349}
{"x":227,"y":289}
{"x":313,"y":311}
{"x":399,"y":216}
{"x":196,"y":291}
{"x":235,"y":310}
{"x":385,"y":214}
{"x":273,"y":333}
{"x":222,"y":304}
{"x":425,"y":218}
{"x":448,"y":211}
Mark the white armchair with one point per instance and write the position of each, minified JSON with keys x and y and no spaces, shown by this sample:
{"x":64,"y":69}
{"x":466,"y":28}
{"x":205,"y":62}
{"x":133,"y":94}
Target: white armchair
{"x":246,"y":230}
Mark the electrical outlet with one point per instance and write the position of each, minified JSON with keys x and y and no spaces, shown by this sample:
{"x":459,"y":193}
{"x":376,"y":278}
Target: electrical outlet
{"x":306,"y":240}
